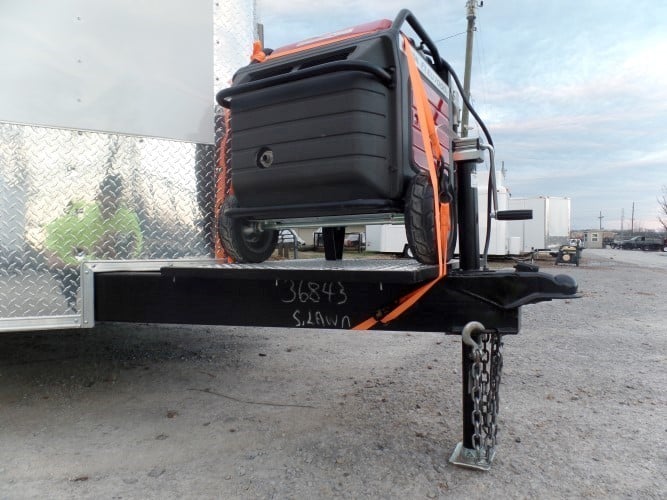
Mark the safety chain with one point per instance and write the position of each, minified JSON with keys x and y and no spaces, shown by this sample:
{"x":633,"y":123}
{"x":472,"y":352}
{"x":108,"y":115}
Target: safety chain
{"x":484,"y":383}
{"x":493,"y":395}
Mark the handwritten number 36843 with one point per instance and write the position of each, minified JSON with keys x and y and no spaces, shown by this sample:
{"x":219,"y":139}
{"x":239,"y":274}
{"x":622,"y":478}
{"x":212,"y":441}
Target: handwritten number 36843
{"x":315,"y":293}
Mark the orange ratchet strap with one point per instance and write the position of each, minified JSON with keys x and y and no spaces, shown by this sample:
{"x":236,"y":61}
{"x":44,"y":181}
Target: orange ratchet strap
{"x":258,"y":54}
{"x":222,"y":187}
{"x":441,"y":210}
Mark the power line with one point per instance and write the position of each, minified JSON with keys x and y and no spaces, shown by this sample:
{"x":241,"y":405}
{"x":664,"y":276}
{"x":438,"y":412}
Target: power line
{"x":450,"y":36}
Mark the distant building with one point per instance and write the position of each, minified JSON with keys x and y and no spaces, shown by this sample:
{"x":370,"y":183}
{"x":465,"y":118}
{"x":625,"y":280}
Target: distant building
{"x":593,"y":238}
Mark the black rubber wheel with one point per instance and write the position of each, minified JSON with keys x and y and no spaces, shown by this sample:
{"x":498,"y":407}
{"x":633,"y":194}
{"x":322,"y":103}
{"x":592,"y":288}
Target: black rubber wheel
{"x":241,"y":240}
{"x":420,"y":221}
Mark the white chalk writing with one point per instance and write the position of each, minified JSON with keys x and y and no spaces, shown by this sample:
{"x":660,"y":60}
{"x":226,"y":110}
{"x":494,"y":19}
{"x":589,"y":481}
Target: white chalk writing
{"x":312,"y":292}
{"x":318,"y":319}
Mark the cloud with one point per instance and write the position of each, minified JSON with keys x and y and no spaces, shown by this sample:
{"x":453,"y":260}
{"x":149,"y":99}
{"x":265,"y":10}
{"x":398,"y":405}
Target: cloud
{"x":295,"y":20}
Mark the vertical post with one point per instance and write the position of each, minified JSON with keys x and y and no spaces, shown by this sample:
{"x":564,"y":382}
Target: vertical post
{"x":622,"y":219}
{"x":470,"y":15}
{"x":467,"y":153}
{"x":334,"y":239}
{"x":466,"y":396}
{"x":477,"y":449}
{"x":468,"y":216}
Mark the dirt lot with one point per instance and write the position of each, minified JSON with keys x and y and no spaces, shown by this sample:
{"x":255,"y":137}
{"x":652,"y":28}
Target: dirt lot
{"x":167,"y":412}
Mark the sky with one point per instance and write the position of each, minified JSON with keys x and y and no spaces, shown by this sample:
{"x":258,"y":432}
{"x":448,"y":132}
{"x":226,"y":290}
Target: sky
{"x":574,"y":92}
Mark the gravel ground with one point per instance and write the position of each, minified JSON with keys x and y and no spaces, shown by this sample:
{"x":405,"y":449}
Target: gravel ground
{"x":165,"y":412}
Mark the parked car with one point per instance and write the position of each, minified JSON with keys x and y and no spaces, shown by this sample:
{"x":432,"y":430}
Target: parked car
{"x":352,"y":240}
{"x":355,"y":240}
{"x":640,"y":243}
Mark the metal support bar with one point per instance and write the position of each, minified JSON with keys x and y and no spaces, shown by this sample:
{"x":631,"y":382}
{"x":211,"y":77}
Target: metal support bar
{"x":482,"y":368}
{"x":278,"y":294}
{"x":334,"y":239}
{"x":468,"y":219}
{"x":466,"y":396}
{"x":467,"y":153}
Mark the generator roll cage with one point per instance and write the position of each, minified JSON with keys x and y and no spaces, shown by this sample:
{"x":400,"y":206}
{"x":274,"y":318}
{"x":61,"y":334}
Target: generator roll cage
{"x":480,"y":305}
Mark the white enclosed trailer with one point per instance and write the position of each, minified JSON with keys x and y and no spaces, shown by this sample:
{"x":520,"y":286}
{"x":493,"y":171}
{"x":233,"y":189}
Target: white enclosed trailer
{"x":549,"y":227}
{"x":108,"y":87}
{"x":498,"y":242}
{"x":391,"y":238}
{"x":386,"y":238}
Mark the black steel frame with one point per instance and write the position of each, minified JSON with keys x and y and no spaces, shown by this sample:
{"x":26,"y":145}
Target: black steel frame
{"x":341,"y":294}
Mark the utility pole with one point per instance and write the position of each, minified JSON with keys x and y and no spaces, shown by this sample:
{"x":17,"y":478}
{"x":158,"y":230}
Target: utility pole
{"x":632,"y":224}
{"x":601,"y":217}
{"x":622,"y":218}
{"x":471,"y":5}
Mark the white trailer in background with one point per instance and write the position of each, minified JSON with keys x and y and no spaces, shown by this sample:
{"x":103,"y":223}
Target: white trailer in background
{"x":548,"y":229}
{"x":386,"y":238}
{"x":498,"y":242}
{"x":390,"y":238}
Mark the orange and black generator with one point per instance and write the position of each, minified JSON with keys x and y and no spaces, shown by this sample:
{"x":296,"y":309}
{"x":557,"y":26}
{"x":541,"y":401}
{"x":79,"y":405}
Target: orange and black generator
{"x":327,"y":132}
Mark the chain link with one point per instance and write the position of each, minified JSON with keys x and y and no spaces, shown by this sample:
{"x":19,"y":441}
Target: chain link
{"x":493,"y":395}
{"x":484,"y":383}
{"x":475,"y":385}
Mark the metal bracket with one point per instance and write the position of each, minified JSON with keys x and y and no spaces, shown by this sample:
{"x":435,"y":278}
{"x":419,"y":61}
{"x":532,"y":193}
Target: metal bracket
{"x":468,"y":149}
{"x":466,"y":457}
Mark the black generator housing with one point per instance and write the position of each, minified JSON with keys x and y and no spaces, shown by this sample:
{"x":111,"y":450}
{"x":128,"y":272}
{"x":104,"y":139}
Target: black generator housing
{"x":328,"y":132}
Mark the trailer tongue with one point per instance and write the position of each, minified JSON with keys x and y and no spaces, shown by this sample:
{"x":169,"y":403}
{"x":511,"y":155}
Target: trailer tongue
{"x":480,"y":305}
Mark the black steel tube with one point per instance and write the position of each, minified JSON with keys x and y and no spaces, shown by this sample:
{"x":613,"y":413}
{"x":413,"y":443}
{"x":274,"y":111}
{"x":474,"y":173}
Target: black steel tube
{"x":334,"y":239}
{"x":351,"y":207}
{"x":405,"y":15}
{"x":466,"y":397}
{"x":514,"y":214}
{"x":468,"y":218}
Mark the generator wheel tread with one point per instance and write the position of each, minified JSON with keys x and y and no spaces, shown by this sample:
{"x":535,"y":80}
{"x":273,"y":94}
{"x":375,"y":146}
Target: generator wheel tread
{"x":420,"y":221}
{"x":240,"y":240}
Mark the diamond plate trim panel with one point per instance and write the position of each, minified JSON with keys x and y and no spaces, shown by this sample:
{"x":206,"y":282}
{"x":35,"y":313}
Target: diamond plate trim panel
{"x":52,"y":182}
{"x":234,"y":30}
